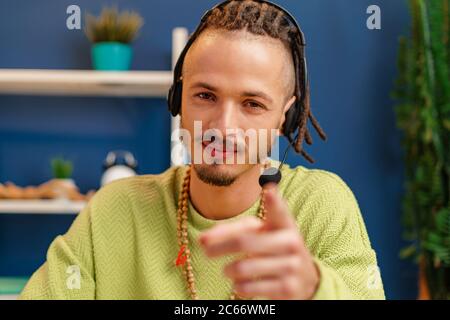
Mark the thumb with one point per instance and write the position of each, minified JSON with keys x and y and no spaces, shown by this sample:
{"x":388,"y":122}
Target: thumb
{"x":278,"y":215}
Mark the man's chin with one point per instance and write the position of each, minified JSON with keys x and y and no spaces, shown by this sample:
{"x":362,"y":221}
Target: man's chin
{"x":219,"y":174}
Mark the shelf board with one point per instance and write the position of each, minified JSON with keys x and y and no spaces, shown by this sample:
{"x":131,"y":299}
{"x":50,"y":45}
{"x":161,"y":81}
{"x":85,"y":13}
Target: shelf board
{"x":85,"y":82}
{"x":59,"y":206}
{"x":9,"y":296}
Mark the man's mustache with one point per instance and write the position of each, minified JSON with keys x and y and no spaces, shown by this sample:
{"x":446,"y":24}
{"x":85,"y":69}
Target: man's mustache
{"x":228,"y":144}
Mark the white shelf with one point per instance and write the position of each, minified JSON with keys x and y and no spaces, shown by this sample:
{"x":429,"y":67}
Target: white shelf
{"x":93,"y":82}
{"x":98,"y":83}
{"x":85,"y":82}
{"x":9,"y":296}
{"x":59,"y":206}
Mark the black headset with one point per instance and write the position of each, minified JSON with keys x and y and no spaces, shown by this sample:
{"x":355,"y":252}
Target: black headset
{"x":292,"y":115}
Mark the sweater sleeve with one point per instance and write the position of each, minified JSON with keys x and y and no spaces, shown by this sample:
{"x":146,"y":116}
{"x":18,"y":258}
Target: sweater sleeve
{"x":340,"y":244}
{"x":68,"y":272}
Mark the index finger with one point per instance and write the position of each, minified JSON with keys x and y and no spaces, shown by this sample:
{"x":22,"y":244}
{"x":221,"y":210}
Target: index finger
{"x":278,"y":215}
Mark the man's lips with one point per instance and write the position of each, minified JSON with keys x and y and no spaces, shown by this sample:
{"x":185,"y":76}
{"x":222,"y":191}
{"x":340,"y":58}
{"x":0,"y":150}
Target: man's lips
{"x":217,"y":147}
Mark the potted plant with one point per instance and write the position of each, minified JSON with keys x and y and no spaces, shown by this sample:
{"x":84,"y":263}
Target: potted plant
{"x":111,"y":34}
{"x":62,"y":173}
{"x":423,"y":114}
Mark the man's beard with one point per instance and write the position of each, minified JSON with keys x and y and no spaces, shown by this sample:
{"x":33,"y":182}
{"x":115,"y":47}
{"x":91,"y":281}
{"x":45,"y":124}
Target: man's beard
{"x":209,"y":175}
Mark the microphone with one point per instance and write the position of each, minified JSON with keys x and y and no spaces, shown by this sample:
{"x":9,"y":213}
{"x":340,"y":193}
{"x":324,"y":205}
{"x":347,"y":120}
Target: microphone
{"x":273,"y":174}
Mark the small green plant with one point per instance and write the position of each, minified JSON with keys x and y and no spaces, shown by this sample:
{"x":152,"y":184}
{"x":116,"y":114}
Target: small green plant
{"x":112,"y":26}
{"x":62,"y":169}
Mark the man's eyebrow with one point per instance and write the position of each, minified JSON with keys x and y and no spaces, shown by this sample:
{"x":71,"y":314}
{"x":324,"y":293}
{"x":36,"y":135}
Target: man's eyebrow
{"x":258,"y":94}
{"x":203,"y":85}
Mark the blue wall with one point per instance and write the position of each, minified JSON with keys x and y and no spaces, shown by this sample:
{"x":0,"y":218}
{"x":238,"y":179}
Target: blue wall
{"x":351,"y":71}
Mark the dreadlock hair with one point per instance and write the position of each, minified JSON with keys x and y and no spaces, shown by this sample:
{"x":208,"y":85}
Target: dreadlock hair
{"x":261,"y":18}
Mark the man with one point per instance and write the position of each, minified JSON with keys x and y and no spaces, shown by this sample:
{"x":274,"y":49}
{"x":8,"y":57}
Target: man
{"x":209,"y":230}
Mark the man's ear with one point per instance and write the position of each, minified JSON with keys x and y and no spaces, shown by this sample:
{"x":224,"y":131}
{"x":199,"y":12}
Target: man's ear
{"x":287,"y":106}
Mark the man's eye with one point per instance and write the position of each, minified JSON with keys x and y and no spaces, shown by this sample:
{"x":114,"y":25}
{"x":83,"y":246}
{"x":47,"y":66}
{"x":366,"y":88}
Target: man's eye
{"x":254,"y":105}
{"x":205,"y":96}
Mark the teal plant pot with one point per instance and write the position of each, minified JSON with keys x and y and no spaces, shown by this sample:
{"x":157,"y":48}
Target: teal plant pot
{"x":111,"y":56}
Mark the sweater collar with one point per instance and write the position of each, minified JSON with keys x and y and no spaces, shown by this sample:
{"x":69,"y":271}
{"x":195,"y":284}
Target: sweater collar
{"x":200,"y":222}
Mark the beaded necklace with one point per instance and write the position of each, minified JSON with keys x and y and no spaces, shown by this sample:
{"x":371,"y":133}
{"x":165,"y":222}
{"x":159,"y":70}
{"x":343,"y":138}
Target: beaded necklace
{"x":182,"y":232}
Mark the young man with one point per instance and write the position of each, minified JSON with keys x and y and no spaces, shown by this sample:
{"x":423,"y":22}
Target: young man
{"x":208,"y":230}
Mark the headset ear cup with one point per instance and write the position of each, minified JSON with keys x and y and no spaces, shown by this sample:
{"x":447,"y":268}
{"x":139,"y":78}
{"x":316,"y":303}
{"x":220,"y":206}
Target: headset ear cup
{"x":169,"y":98}
{"x":177,"y":91}
{"x":289,"y":120}
{"x":174,"y":99}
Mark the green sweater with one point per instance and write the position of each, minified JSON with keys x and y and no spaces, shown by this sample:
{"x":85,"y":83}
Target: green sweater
{"x":123,"y":244}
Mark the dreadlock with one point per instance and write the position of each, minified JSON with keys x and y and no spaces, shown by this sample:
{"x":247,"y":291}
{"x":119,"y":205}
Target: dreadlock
{"x":261,"y":18}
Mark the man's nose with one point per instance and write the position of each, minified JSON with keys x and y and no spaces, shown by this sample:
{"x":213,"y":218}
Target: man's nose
{"x":225,"y":117}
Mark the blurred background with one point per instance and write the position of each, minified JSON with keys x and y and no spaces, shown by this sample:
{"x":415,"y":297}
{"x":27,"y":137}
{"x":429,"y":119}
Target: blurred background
{"x":352,"y":73}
